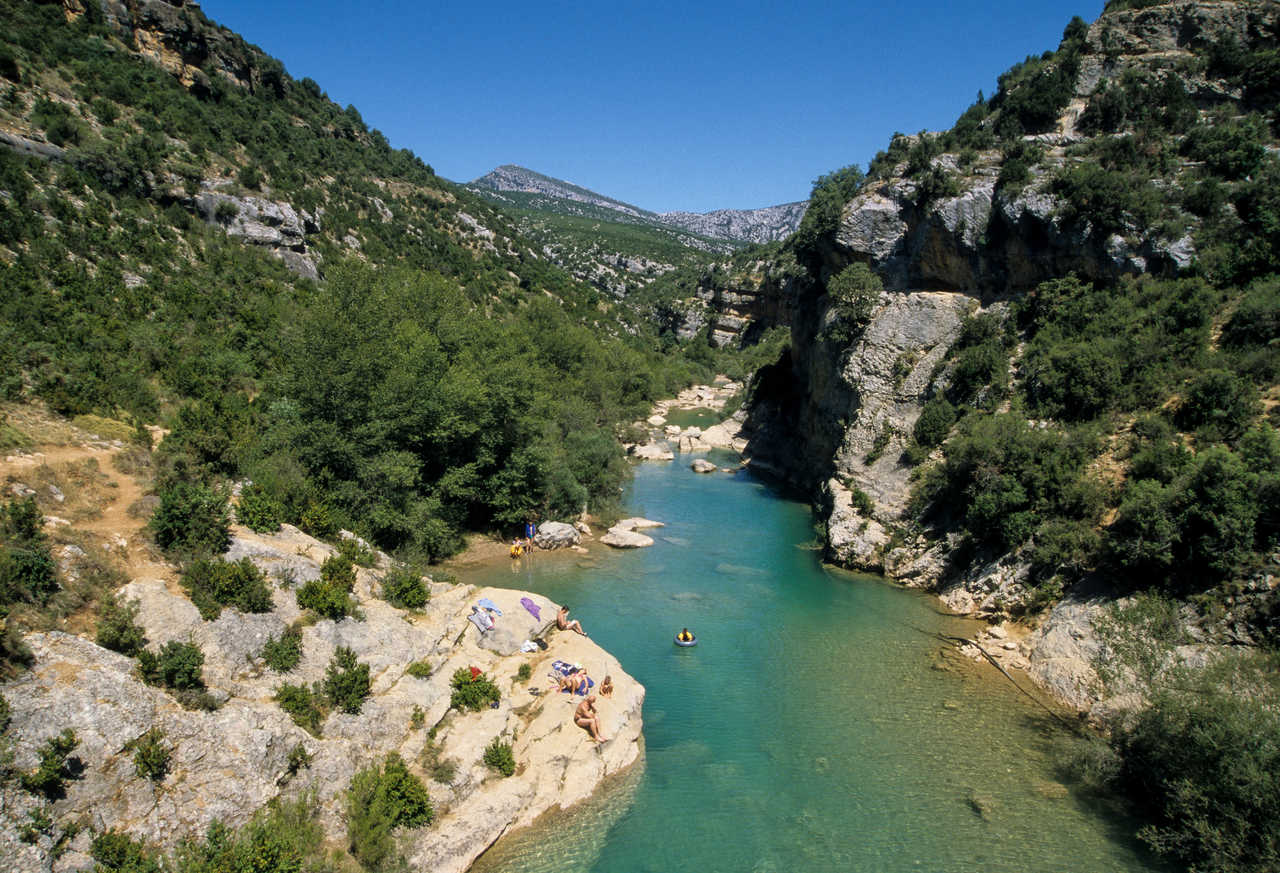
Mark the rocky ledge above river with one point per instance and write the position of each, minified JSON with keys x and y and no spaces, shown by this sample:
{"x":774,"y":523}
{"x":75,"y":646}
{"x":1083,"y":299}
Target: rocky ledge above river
{"x":229,"y":762}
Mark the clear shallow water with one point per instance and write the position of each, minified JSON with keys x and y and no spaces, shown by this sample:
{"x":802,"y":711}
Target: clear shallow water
{"x":816,"y":726}
{"x":696,"y":417}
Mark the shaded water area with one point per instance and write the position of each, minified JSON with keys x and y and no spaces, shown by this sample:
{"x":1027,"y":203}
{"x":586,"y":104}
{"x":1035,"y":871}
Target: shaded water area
{"x":816,"y":726}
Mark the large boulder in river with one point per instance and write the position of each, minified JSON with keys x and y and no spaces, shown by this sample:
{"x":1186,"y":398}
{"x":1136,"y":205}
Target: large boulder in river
{"x":652,"y":452}
{"x":702,"y":465}
{"x":556,"y":535}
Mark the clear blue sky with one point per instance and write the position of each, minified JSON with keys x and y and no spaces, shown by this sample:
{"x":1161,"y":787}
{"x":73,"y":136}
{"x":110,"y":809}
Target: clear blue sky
{"x":691,"y":105}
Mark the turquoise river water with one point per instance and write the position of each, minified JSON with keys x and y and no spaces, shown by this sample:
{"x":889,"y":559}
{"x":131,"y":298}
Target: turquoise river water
{"x":816,"y":727}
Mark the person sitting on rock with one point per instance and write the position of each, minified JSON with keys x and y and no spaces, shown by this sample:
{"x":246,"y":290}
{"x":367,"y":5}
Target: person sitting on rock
{"x":563,"y":623}
{"x":606,"y":687}
{"x":585,"y":716}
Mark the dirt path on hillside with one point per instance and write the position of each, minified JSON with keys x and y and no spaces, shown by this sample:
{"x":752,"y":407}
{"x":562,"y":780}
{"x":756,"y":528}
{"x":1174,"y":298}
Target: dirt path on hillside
{"x":107,"y":520}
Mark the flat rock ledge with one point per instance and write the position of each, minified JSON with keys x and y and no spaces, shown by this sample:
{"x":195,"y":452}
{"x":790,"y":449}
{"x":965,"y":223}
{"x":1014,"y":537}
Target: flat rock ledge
{"x":228,"y":763}
{"x":625,"y":539}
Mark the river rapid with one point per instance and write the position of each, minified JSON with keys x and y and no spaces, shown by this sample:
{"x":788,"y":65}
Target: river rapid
{"x":817,"y":726}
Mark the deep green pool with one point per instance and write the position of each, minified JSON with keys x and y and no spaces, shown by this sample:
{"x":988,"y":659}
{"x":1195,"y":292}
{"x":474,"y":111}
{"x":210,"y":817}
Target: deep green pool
{"x":816,"y":727}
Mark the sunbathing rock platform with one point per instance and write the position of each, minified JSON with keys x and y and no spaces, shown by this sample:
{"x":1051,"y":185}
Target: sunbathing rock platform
{"x":227,"y":763}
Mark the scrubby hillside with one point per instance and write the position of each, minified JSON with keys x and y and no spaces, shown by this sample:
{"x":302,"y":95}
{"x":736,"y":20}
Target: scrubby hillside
{"x":1033,"y":365}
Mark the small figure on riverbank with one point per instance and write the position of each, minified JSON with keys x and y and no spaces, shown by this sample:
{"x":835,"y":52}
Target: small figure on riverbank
{"x":585,"y":716}
{"x":563,"y":623}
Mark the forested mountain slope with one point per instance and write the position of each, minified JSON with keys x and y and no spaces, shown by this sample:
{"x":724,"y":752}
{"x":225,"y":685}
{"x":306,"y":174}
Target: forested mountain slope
{"x":1033,"y":365}
{"x":186,"y":231}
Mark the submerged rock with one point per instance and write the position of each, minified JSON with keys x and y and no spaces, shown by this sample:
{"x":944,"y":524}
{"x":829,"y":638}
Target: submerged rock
{"x":621,"y":538}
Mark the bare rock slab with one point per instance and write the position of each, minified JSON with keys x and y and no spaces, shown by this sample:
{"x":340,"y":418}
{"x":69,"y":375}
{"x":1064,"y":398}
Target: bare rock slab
{"x":625,"y":539}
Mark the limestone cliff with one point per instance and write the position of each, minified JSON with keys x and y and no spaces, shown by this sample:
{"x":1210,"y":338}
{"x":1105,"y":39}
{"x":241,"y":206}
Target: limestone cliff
{"x":953,"y":233}
{"x":229,"y":762}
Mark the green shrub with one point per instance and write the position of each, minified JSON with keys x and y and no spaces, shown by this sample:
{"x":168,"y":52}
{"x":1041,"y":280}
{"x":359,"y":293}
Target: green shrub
{"x":283,"y":654}
{"x":1065,"y":546}
{"x":116,"y":852}
{"x":191,"y":518}
{"x":318,"y":521}
{"x":283,"y":836}
{"x":213,"y":584}
{"x":472,"y":693}
{"x":346,"y":681}
{"x":55,"y":766}
{"x":1110,"y":200}
{"x":1073,"y":381}
{"x":330,"y":595}
{"x":417,"y":718}
{"x":498,"y":756}
{"x":151,"y":756}
{"x":118,"y":629}
{"x":1219,"y":404}
{"x":380,"y":800}
{"x":259,"y":511}
{"x":854,"y":292}
{"x":1203,"y":764}
{"x":303,"y":705}
{"x":934,"y":423}
{"x":1256,"y":320}
{"x":524,"y":672}
{"x":355,"y":552}
{"x":880,"y":443}
{"x":325,"y":600}
{"x":405,"y":589}
{"x":1232,"y":150}
{"x":826,"y":203}
{"x":39,"y":823}
{"x":419,"y":669}
{"x":339,"y":571}
{"x":862,"y":502}
{"x":27,"y":573}
{"x":299,"y":759}
{"x":179,"y":666}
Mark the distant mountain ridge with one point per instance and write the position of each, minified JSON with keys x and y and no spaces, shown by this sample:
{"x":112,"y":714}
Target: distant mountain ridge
{"x":766,"y":224}
{"x":537,"y":191}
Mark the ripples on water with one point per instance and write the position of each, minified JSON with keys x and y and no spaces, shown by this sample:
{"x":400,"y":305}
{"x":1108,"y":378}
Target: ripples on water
{"x":816,"y":726}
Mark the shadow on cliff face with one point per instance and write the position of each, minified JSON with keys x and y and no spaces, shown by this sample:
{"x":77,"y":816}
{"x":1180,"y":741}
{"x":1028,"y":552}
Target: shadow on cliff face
{"x":777,"y":445}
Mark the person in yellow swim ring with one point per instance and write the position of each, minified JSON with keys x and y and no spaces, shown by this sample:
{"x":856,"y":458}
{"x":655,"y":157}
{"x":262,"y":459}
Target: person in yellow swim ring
{"x":685,"y":636}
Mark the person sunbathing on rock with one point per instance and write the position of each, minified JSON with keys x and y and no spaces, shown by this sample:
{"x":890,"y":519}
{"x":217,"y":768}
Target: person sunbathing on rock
{"x":606,"y":687}
{"x":575,"y":683}
{"x":563,"y":623}
{"x":585,"y":716}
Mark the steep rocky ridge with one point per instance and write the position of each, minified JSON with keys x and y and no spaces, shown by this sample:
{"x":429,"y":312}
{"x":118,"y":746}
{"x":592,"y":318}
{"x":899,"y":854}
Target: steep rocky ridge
{"x":767,"y":224}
